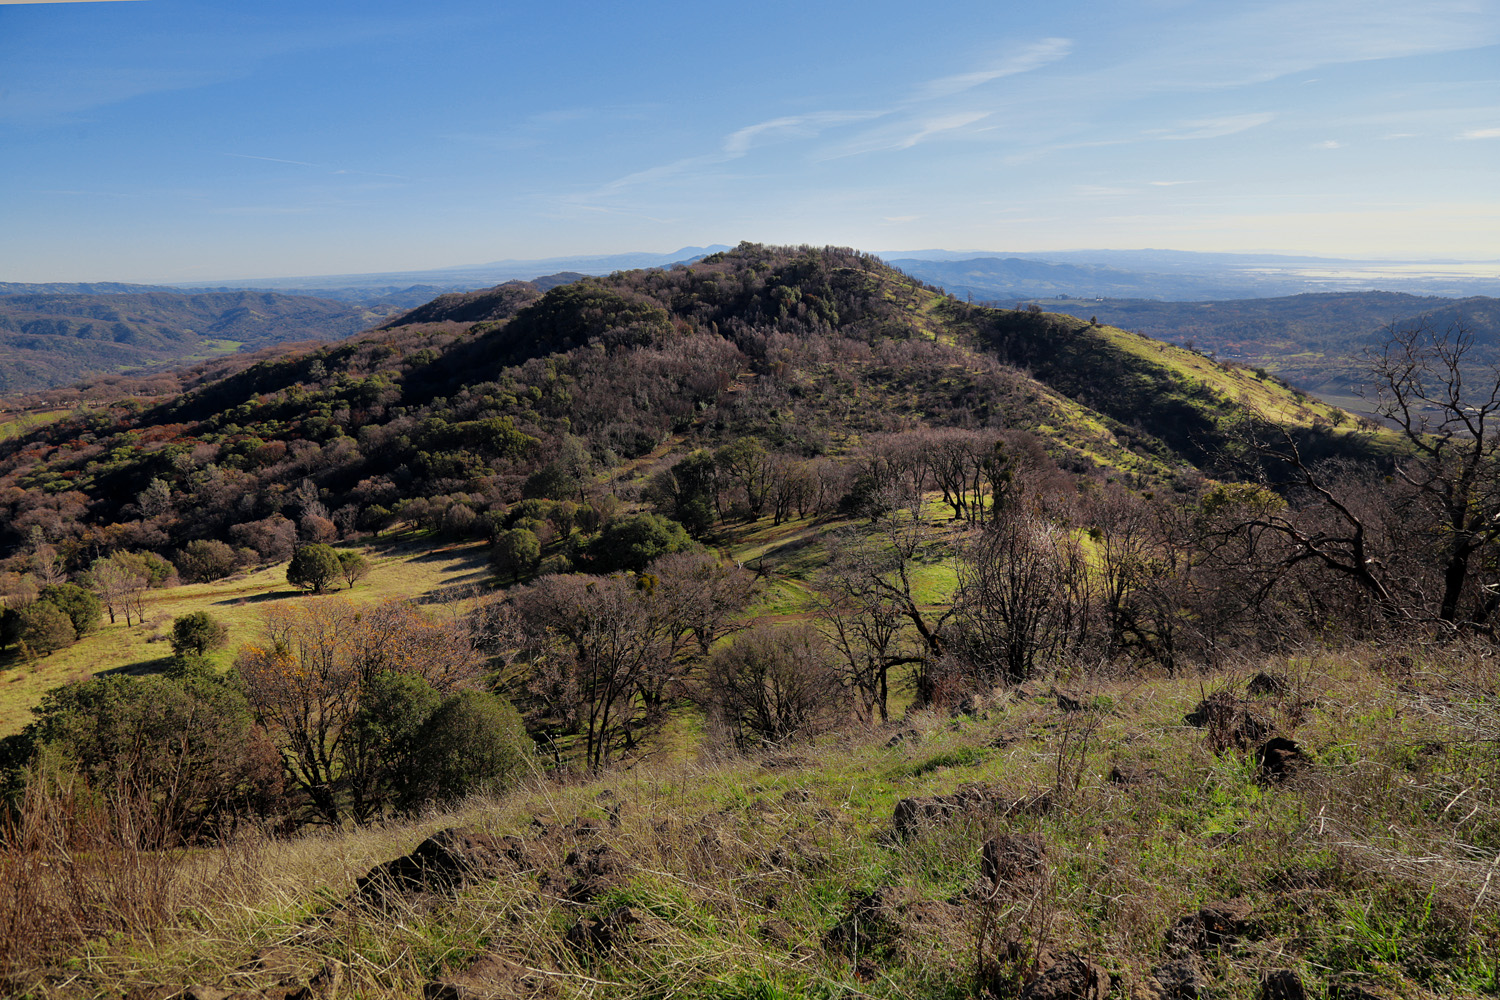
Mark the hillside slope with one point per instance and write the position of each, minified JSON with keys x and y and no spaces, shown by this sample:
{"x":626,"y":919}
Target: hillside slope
{"x":1314,"y":341}
{"x":812,"y":352}
{"x":51,"y":339}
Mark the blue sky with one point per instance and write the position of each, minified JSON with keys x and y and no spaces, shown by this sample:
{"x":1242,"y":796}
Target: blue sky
{"x":170,"y":140}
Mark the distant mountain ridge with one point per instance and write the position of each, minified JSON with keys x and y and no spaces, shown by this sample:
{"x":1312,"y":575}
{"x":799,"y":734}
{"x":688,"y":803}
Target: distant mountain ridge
{"x":1315,"y":341}
{"x":467,"y":277}
{"x":1177,"y":275}
{"x":81,"y":288}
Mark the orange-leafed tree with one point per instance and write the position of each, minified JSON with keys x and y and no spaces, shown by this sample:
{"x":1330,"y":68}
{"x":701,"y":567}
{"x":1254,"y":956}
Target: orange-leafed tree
{"x":307,"y":679}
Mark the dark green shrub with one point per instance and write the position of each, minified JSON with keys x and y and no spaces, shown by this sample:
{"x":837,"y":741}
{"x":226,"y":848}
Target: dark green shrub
{"x":516,"y":553}
{"x":197,"y":633}
{"x":82,"y":606}
{"x":204,"y":560}
{"x":381,"y":745}
{"x":186,"y":744}
{"x":353,"y":566}
{"x":475,"y":743}
{"x":44,"y":628}
{"x":633,"y":542}
{"x":313,"y":567}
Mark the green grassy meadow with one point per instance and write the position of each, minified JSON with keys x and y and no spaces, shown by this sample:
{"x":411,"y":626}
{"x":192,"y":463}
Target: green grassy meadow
{"x":407,"y":569}
{"x":25,"y":421}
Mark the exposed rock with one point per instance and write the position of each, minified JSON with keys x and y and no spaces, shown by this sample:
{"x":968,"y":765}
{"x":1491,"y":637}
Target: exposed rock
{"x":1215,"y":926}
{"x":492,"y":977}
{"x":867,"y":927}
{"x":585,"y":875}
{"x":1268,"y":683}
{"x":1282,"y":984}
{"x":1278,"y":759}
{"x":1130,"y":773}
{"x":1012,"y":857}
{"x":1071,"y":978}
{"x":443,"y":863}
{"x":967,"y":705}
{"x":1229,"y":722}
{"x":1182,"y":979}
{"x":914,"y":815}
{"x":601,"y":934}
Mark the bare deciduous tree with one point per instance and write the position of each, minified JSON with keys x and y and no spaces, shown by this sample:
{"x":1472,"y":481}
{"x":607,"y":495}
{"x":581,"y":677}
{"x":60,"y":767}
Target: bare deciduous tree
{"x":771,"y":685}
{"x":1023,"y":598}
{"x":1446,"y":405}
{"x":610,"y":654}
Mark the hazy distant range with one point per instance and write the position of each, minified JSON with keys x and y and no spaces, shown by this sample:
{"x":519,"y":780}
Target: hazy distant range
{"x":55,"y":334}
{"x":989,"y":276}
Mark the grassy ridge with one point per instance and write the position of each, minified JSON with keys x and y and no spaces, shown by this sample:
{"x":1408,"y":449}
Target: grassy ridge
{"x":742,"y":875}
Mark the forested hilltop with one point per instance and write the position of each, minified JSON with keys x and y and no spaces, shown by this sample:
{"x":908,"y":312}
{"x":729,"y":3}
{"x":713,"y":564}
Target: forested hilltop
{"x":811,"y":353}
{"x":775,"y":625}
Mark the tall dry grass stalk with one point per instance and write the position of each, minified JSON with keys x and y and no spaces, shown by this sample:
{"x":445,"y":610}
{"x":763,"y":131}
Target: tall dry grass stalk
{"x":77,"y":863}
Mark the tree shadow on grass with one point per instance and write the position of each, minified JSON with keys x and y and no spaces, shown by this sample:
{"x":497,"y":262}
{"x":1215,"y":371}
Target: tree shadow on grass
{"x":480,"y":554}
{"x":270,"y":595}
{"x":140,"y":668}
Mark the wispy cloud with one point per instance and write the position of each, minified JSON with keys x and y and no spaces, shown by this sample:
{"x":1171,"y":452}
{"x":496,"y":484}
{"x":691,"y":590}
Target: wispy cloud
{"x":903,"y":125}
{"x":741,"y":141}
{"x":1328,"y":144}
{"x":274,"y":159}
{"x":1481,"y":133}
{"x":334,"y":171}
{"x":1213,"y":128}
{"x":1031,"y":57}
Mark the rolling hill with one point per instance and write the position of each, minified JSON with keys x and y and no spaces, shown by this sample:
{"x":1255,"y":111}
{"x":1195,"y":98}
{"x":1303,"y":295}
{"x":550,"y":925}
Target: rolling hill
{"x":813,"y":352}
{"x":51,"y":338}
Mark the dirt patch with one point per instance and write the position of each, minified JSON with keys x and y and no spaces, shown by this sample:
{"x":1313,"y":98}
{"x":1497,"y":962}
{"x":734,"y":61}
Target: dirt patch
{"x":1229,"y":722}
{"x":442,"y":864}
{"x":491,"y":977}
{"x":914,"y":815}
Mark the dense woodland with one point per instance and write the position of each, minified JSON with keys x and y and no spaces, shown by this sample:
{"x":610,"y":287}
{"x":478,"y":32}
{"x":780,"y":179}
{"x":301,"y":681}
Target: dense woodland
{"x":604,"y":437}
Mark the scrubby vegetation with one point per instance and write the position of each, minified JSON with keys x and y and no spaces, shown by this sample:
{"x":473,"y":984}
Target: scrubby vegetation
{"x":841,"y":639}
